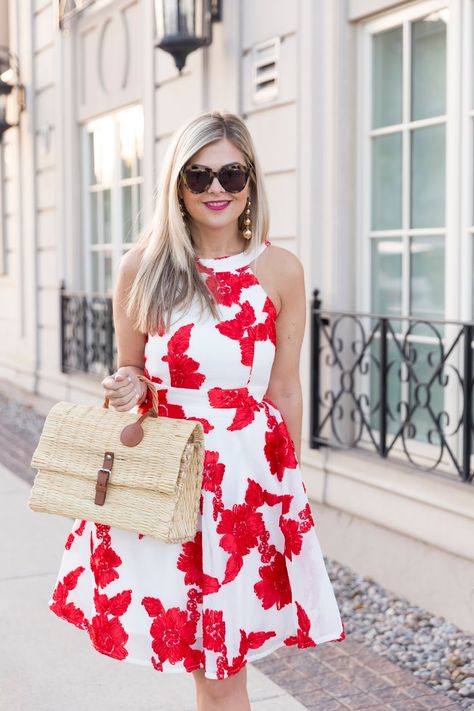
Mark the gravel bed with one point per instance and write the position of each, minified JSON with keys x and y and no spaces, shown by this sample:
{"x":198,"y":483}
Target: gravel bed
{"x":22,"y":419}
{"x":434,"y":650}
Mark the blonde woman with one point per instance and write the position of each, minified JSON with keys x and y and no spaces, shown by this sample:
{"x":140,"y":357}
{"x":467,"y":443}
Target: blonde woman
{"x":213,"y":313}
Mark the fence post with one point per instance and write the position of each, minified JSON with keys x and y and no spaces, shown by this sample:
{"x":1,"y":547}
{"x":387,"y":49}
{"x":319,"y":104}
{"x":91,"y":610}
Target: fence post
{"x":315,"y":375}
{"x":467,"y":393}
{"x":383,"y":387}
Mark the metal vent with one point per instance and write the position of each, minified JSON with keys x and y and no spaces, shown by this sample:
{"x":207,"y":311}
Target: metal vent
{"x":265,"y":64}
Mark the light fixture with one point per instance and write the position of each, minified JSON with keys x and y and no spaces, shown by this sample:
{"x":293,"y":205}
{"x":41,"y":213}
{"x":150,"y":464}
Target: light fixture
{"x":182,"y":26}
{"x":12,"y":96}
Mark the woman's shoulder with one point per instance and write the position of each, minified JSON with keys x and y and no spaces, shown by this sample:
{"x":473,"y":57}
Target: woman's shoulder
{"x":130,"y":262}
{"x":284,"y":262}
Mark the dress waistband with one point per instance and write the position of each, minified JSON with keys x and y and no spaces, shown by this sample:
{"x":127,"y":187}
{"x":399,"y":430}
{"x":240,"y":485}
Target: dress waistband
{"x":216,"y":397}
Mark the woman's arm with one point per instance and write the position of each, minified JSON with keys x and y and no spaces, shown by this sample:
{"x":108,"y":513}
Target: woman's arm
{"x":284,"y":388}
{"x":126,"y":391}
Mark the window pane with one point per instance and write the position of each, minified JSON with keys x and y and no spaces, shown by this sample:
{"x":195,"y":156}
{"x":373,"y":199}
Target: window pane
{"x":139,"y":206}
{"x":131,"y":141}
{"x":427,"y":277}
{"x":429,"y":66}
{"x":387,"y":182}
{"x":91,"y":158}
{"x":95,"y":271}
{"x":387,"y":78}
{"x":94,"y":217}
{"x":127,"y":213}
{"x":102,"y":162}
{"x":107,"y":272}
{"x":106,"y":195}
{"x":428,"y":176}
{"x":387,"y":277}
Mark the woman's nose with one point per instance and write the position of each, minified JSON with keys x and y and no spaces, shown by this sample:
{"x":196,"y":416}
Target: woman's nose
{"x":216,"y":184}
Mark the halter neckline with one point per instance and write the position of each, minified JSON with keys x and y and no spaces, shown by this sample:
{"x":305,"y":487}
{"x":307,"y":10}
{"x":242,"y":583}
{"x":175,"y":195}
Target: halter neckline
{"x":229,"y":262}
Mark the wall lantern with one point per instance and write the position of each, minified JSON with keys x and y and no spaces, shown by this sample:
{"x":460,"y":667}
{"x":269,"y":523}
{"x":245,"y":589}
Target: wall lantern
{"x":12,"y":96}
{"x":182,"y":26}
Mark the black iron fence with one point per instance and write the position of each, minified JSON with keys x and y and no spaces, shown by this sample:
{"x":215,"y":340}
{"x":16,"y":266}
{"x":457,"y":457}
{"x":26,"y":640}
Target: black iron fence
{"x":87,"y":333}
{"x":397,"y":386}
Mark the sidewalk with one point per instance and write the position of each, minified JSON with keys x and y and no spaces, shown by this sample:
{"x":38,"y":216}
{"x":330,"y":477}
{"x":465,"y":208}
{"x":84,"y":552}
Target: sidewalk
{"x":48,"y":665}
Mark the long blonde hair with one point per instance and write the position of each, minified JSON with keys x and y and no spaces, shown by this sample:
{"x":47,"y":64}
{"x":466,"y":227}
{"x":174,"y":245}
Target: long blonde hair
{"x":168,"y":276}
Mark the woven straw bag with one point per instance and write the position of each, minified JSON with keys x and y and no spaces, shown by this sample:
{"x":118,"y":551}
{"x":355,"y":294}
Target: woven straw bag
{"x":101,"y":465}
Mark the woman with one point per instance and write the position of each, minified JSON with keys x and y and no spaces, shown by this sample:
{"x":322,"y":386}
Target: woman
{"x":223,"y":347}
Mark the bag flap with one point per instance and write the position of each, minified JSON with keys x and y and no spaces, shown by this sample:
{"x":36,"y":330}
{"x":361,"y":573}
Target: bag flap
{"x":75,"y":438}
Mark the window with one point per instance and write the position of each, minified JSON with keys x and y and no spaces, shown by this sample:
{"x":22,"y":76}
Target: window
{"x":113,"y":193}
{"x":407,"y":201}
{"x":407,"y":228}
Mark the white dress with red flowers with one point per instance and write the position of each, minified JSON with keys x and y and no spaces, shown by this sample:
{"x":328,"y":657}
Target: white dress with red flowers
{"x":253,"y":579}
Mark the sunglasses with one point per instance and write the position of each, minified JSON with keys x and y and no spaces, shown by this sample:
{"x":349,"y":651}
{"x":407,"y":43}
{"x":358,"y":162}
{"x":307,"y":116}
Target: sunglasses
{"x":232,"y":176}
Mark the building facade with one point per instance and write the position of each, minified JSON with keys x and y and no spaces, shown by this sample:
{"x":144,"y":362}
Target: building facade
{"x":361,"y":111}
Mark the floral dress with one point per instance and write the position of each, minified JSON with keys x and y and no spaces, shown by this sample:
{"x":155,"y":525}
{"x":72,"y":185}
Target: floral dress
{"x":253,"y":578}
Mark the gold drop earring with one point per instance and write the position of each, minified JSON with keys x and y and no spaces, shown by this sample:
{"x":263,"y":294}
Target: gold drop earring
{"x":182,"y":210}
{"x":247,"y":233}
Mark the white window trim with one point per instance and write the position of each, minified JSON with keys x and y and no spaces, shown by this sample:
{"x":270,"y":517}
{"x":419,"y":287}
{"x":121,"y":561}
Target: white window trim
{"x":467,"y":166}
{"x":3,"y":233}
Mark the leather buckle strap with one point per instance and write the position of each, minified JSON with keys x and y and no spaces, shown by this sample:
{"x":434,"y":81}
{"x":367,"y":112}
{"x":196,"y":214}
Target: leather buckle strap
{"x":103,"y":478}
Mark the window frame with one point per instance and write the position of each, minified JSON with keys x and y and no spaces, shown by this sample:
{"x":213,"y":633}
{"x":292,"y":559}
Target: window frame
{"x":456,"y":265}
{"x":364,"y":179}
{"x":116,"y":248}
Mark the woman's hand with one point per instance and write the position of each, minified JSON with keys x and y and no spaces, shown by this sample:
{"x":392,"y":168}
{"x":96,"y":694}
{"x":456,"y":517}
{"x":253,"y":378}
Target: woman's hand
{"x":124,"y":389}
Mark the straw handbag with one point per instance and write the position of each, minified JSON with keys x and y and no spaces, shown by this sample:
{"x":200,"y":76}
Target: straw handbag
{"x":101,"y":465}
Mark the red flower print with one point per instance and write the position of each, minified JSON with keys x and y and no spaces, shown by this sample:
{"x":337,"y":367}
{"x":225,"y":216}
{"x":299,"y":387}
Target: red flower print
{"x":302,"y":638}
{"x":241,"y":526}
{"x":169,"y":409}
{"x":108,"y":636}
{"x":194,"y":659}
{"x":103,"y":562}
{"x":213,"y":630}
{"x":116,"y":605}
{"x":254,"y":496}
{"x":226,"y":287}
{"x":293,"y":537}
{"x":306,"y":517}
{"x":274,"y":587}
{"x":253,"y":640}
{"x":78,"y":532}
{"x":235,"y":328}
{"x":279,"y":450}
{"x":239,"y":398}
{"x":183,"y":369}
{"x":213,"y":471}
{"x":234,"y":564}
{"x":172,"y":631}
{"x":342,"y":635}
{"x":269,"y":307}
{"x":190,"y":563}
{"x":68,"y":610}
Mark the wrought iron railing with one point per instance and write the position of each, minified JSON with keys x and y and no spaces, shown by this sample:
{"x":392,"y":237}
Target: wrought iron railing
{"x":397,"y":386}
{"x":87,"y":333}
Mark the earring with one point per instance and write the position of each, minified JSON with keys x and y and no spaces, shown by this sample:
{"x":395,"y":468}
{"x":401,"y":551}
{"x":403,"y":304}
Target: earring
{"x":247,"y":233}
{"x":182,"y":210}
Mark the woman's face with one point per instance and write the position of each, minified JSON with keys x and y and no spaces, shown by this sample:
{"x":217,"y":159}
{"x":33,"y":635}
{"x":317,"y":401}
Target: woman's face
{"x":202,"y":217}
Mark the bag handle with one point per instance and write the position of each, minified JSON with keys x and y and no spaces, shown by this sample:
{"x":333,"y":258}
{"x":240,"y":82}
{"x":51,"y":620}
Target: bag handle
{"x":150,"y":386}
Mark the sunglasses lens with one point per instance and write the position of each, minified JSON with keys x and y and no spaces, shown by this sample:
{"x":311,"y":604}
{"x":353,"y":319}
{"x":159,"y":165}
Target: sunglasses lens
{"x":233,"y":179}
{"x":197,"y":179}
